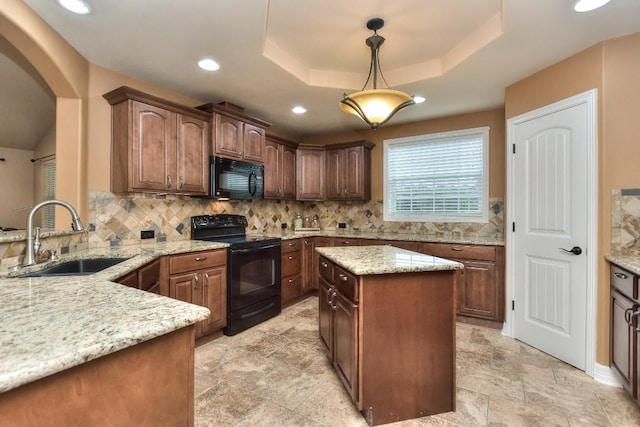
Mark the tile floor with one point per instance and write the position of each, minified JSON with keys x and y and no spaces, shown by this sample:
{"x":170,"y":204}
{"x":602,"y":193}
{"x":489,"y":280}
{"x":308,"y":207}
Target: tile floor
{"x":276,"y":374}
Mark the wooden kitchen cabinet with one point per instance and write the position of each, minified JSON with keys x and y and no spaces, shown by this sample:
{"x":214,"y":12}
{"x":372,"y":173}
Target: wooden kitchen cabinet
{"x":481,"y":288}
{"x":236,"y":135}
{"x":318,"y":242}
{"x":338,"y":322}
{"x":624,"y":346}
{"x":344,"y":241}
{"x":157,"y":145}
{"x":310,"y":165}
{"x":146,"y":278}
{"x":201,"y":278}
{"x":309,"y":272}
{"x":291,"y":271}
{"x":392,"y":347}
{"x":279,"y":169}
{"x":348,"y":171}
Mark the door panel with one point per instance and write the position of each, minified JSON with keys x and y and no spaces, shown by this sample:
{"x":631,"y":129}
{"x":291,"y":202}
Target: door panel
{"x":550,"y":293}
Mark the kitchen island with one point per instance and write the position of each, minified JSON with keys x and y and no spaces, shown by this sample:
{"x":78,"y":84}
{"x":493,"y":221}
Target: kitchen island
{"x":387,"y":321}
{"x":82,"y":350}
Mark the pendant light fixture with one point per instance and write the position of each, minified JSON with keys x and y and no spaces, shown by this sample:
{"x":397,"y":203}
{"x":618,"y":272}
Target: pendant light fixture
{"x":375,"y":106}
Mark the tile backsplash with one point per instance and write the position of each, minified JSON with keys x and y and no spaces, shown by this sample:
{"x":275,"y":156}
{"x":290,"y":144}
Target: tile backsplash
{"x":625,"y":222}
{"x":118,"y":219}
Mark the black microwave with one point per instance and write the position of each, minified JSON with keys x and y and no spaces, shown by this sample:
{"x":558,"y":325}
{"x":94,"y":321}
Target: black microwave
{"x":235,"y":179}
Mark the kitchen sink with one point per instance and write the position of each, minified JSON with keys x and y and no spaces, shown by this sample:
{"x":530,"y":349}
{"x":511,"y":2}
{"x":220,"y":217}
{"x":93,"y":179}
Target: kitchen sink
{"x":77,"y":267}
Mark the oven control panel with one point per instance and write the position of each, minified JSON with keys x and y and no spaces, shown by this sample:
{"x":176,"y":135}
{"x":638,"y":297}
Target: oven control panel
{"x":218,"y":221}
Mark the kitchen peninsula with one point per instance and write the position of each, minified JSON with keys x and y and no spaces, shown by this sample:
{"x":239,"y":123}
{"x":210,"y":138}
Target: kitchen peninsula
{"x":387,"y":320}
{"x":82,"y":350}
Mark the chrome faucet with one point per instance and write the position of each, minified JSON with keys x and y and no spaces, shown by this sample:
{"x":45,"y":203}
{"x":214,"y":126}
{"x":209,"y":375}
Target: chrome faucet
{"x":33,"y":241}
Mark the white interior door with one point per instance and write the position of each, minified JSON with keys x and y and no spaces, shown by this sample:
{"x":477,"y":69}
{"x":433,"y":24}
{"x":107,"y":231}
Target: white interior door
{"x":550,"y":231}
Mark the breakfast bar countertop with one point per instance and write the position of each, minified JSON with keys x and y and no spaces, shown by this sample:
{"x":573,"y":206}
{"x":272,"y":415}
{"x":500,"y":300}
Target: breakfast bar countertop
{"x":50,"y":324}
{"x":385,"y":259}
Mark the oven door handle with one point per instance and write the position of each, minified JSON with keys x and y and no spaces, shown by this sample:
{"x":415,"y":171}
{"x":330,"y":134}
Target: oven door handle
{"x":257,"y":248}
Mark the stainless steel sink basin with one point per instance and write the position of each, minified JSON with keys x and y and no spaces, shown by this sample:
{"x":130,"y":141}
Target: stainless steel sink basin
{"x":77,"y":267}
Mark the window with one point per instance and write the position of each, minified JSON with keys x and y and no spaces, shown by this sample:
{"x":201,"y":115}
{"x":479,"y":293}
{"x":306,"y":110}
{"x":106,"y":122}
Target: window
{"x":440,"y":177}
{"x":49,"y":192}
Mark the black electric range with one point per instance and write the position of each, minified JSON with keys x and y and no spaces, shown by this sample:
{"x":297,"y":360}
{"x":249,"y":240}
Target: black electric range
{"x":253,"y":269}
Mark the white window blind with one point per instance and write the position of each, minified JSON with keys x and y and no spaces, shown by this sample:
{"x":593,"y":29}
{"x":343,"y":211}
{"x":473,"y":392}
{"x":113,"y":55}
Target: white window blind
{"x":49,"y":192}
{"x":437,"y":177}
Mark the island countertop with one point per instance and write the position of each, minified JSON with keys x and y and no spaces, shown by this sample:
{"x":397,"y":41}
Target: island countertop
{"x":50,"y":324}
{"x":384,"y":259}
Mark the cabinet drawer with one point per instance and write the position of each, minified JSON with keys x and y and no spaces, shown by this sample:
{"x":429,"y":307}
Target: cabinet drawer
{"x":196,"y":261}
{"x":292,"y":245}
{"x":291,"y":263}
{"x":344,"y":241}
{"x":624,"y":281}
{"x":484,"y":253}
{"x":346,"y":283}
{"x":325,"y":268}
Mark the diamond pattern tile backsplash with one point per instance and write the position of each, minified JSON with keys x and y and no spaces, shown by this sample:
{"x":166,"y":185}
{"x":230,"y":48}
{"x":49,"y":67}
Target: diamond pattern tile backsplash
{"x":625,"y":222}
{"x":117,"y":219}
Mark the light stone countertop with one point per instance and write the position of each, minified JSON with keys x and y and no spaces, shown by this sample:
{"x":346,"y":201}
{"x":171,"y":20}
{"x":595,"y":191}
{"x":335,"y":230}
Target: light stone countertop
{"x":385,"y":259}
{"x":49,"y":324}
{"x":630,"y":263}
{"x":415,"y":237}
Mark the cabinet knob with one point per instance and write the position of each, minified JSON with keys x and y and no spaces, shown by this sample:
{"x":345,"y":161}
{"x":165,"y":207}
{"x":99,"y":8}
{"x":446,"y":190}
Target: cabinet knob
{"x":169,"y":181}
{"x":620,"y":275}
{"x":324,"y":264}
{"x":343,"y":277}
{"x":292,"y":280}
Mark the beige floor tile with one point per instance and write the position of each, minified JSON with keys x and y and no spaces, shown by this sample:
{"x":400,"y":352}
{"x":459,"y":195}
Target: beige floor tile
{"x":278,"y":374}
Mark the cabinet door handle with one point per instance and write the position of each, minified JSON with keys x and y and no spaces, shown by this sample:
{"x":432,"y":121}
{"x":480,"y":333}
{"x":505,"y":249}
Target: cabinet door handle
{"x":620,"y":275}
{"x":457,"y":249}
{"x":330,"y":296}
{"x":200,"y":258}
{"x":195,"y":282}
{"x":169,"y":182}
{"x":343,"y":277}
{"x":181,"y":180}
{"x":292,"y":280}
{"x":206,"y":280}
{"x":334,"y":306}
{"x":324,"y":264}
{"x":290,"y":257}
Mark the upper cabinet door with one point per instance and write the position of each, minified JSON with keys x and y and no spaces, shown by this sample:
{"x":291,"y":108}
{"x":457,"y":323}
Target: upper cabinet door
{"x":253,"y":138}
{"x":334,"y":171}
{"x":153,"y":149}
{"x":288,"y":172}
{"x":355,"y":173}
{"x":192,"y":155}
{"x":229,"y":134}
{"x":310,"y":174}
{"x":272,"y":170}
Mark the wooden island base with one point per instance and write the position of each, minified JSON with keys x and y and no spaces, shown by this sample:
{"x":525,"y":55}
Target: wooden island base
{"x":391,"y":339}
{"x":149,"y":384}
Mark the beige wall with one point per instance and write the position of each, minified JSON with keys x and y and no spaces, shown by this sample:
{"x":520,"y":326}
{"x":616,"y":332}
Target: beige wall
{"x":492,"y":118}
{"x":611,"y":67}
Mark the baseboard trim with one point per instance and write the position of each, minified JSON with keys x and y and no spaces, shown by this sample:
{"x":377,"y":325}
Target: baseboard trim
{"x":605,"y":375}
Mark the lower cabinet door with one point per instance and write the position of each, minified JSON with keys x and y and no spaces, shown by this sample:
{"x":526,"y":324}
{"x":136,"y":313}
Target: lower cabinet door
{"x":325,"y":319}
{"x":623,"y":340}
{"x":345,"y":343}
{"x":215,"y":299}
{"x":477,"y":290}
{"x":291,"y":288}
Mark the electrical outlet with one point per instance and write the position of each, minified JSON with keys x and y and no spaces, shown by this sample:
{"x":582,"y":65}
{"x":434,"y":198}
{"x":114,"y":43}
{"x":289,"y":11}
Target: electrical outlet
{"x":342,"y":225}
{"x":147,"y":234}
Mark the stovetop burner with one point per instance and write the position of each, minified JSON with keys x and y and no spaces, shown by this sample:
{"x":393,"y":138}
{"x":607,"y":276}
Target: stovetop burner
{"x":226,"y":228}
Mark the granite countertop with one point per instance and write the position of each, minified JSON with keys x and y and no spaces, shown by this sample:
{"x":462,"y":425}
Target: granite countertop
{"x":384,"y":259}
{"x":49,"y":324}
{"x":415,"y":237}
{"x":630,"y":263}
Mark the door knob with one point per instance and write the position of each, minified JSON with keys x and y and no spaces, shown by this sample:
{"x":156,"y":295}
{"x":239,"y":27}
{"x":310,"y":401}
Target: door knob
{"x":576,"y":250}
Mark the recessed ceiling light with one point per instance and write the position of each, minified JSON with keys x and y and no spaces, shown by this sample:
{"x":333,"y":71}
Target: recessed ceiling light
{"x":208,"y":64}
{"x":299,"y":110}
{"x":419,"y":99}
{"x":76,"y":6}
{"x":587,"y":5}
